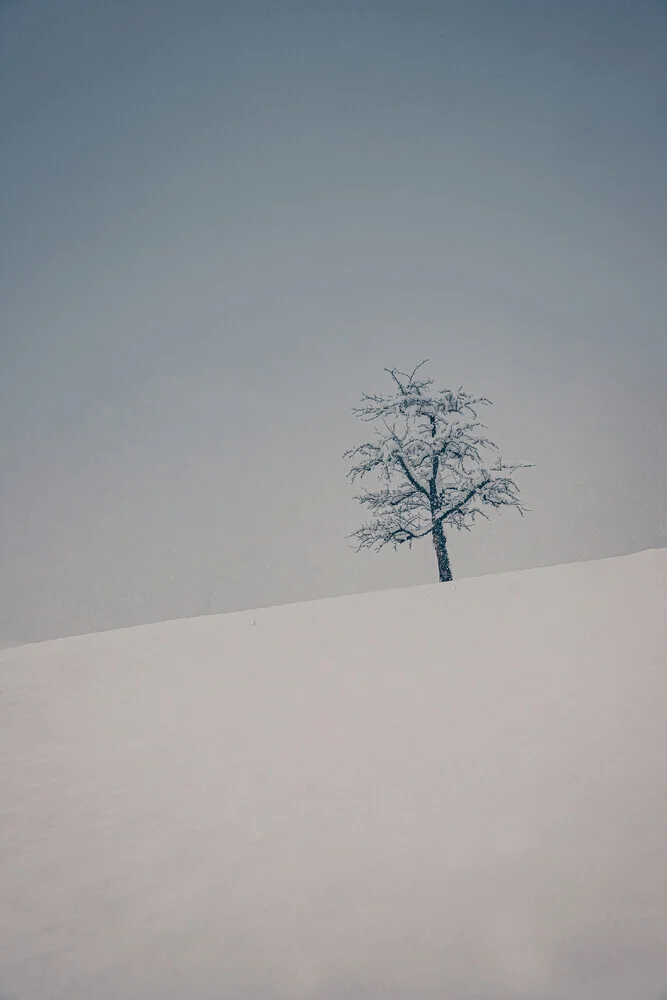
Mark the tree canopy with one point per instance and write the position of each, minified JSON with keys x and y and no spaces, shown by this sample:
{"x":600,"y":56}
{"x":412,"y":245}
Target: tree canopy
{"x":435,"y":465}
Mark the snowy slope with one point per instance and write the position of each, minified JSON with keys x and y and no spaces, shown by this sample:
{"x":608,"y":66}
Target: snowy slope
{"x":447,"y":792}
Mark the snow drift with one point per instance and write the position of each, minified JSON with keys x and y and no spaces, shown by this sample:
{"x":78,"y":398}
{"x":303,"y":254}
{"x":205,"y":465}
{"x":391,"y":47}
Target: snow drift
{"x":447,"y":792}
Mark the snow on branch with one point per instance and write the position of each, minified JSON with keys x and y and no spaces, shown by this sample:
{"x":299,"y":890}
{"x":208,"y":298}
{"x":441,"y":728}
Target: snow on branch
{"x":428,"y":454}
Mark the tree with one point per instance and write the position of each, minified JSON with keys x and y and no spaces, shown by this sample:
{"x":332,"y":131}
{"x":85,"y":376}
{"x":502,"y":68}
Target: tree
{"x":428,"y":455}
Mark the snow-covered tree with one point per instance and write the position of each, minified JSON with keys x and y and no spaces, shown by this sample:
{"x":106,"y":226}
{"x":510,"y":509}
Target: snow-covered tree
{"x":428,"y":455}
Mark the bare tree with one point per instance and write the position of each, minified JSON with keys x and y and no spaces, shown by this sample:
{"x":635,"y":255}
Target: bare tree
{"x":427,"y":454}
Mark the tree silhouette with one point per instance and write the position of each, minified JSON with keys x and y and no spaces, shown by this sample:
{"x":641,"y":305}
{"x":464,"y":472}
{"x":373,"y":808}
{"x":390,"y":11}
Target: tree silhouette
{"x":428,"y":455}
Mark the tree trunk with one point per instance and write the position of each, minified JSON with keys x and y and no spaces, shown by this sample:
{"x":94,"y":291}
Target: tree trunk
{"x":440,"y":546}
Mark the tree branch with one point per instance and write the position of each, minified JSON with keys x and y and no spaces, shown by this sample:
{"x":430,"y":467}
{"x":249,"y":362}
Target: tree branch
{"x":411,"y":479}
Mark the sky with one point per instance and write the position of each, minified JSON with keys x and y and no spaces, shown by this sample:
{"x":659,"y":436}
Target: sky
{"x":326,"y":801}
{"x":221,"y":221}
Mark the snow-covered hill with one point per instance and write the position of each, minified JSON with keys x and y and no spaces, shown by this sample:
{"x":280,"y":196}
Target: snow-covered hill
{"x":447,"y":792}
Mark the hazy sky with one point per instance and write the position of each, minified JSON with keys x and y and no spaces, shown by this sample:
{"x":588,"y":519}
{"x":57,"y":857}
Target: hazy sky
{"x":222,"y":220}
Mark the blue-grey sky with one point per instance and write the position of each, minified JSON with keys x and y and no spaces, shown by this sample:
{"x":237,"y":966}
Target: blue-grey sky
{"x":222,"y":220}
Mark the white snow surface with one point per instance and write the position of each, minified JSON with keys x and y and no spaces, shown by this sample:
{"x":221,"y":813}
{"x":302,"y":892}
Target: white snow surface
{"x":448,"y":792}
